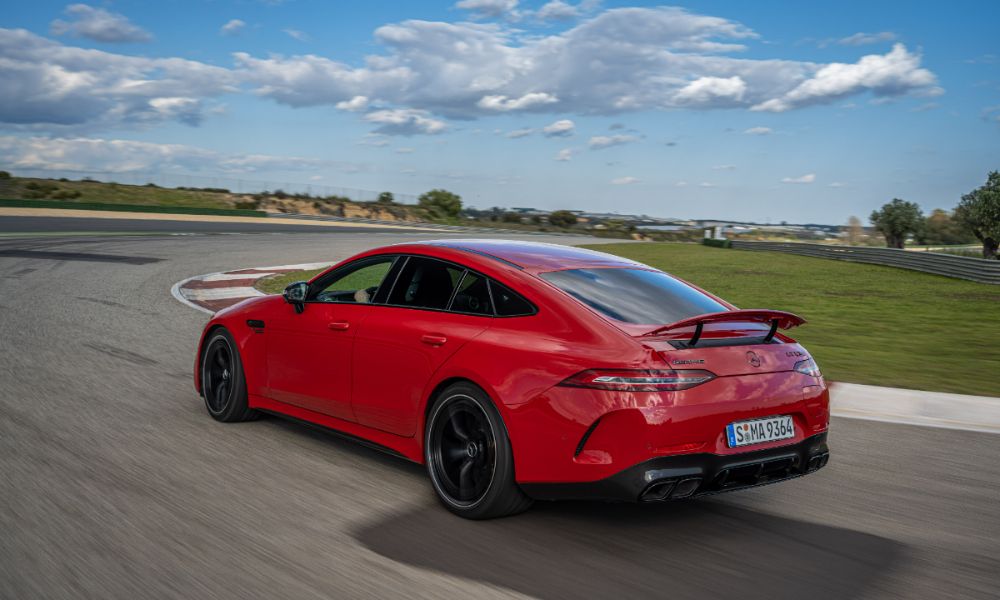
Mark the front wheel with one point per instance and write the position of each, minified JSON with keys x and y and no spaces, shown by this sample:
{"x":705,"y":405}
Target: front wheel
{"x":223,"y":383}
{"x":469,"y":457}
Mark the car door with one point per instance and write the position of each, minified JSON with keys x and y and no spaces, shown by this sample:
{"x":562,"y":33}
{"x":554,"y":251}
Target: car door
{"x":309,"y":353}
{"x":433,"y":309}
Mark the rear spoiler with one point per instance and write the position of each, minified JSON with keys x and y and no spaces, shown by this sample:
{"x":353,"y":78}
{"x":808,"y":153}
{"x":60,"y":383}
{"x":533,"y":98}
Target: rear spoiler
{"x":777,"y":318}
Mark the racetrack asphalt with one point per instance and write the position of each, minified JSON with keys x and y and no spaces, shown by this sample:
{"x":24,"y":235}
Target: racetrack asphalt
{"x":116,"y":483}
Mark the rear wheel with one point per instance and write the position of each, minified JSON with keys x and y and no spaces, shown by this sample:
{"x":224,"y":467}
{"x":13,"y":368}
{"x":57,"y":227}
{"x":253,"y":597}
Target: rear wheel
{"x":223,"y":384}
{"x":468,"y":455}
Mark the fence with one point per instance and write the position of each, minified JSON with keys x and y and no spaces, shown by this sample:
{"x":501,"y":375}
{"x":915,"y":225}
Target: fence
{"x":233,"y":184}
{"x":961,"y":267}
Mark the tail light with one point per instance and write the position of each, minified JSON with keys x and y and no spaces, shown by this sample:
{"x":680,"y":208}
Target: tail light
{"x":641,"y":380}
{"x":808,"y":367}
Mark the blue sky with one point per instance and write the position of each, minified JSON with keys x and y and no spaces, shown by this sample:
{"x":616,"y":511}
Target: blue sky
{"x":741,"y":110}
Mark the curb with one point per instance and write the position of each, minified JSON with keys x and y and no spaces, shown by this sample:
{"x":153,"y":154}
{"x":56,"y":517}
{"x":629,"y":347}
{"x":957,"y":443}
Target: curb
{"x":212,"y":292}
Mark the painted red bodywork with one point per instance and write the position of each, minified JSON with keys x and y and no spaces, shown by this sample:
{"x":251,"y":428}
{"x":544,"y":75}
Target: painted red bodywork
{"x":375,"y":378}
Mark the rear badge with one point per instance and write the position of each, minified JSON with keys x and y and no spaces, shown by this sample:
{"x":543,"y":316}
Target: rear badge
{"x":753,"y":359}
{"x":692,"y":361}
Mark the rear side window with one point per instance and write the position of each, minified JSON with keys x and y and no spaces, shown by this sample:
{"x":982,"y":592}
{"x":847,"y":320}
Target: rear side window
{"x":472,"y":296}
{"x":425,"y":283}
{"x":508,"y":303}
{"x":634,"y":295}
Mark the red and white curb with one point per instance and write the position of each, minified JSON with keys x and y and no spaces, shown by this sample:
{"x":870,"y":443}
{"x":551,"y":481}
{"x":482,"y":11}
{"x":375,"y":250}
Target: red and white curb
{"x":212,"y":292}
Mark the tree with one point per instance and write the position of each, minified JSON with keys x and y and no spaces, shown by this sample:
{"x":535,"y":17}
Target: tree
{"x":441,"y":204}
{"x":979,"y":210}
{"x":855,"y":231}
{"x":941,"y":227}
{"x":562,"y":218}
{"x":386,"y":198}
{"x":897,"y":219}
{"x":511,"y":217}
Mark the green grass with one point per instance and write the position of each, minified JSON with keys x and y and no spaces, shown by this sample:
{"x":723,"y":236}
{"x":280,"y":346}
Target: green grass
{"x":275,"y":284}
{"x":110,"y":193}
{"x":101,"y":206}
{"x":867,"y":324}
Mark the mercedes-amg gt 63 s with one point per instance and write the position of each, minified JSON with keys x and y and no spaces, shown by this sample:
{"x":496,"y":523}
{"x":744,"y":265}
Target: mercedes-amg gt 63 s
{"x":519,"y":371}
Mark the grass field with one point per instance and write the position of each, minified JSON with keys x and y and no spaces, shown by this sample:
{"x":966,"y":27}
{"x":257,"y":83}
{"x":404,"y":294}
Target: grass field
{"x":108,"y":193}
{"x":866,"y":323}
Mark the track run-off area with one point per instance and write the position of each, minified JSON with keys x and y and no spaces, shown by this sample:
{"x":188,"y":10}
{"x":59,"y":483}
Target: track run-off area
{"x":116,"y":483}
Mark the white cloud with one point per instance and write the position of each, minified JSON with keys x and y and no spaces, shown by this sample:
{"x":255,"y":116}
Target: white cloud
{"x":405,"y":150}
{"x":54,"y":87}
{"x":354,"y":104}
{"x":864,"y":39}
{"x":99,"y":25}
{"x":487,"y":8}
{"x":809,"y":178}
{"x":95,"y":154}
{"x":520,"y":133}
{"x":297,"y":34}
{"x":561,"y":128}
{"x":724,"y":167}
{"x":837,"y":184}
{"x":405,"y":121}
{"x":712,"y":91}
{"x":564,"y":155}
{"x":624,"y":180}
{"x":502,"y":103}
{"x":557,"y":10}
{"x":707,"y":184}
{"x":890,"y":75}
{"x":681,"y":184}
{"x":758,"y":131}
{"x":606,"y":141}
{"x":233,"y":27}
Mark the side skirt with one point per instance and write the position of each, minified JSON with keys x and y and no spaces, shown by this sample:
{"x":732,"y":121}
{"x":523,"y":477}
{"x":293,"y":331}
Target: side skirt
{"x":404,"y":447}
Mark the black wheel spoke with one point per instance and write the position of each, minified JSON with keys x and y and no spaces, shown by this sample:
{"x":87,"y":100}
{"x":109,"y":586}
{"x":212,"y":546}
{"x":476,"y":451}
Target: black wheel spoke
{"x":220,"y":359}
{"x":462,"y":457}
{"x":465,"y":484}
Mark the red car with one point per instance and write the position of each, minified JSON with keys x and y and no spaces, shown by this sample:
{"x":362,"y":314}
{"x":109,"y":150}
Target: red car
{"x":519,"y":371}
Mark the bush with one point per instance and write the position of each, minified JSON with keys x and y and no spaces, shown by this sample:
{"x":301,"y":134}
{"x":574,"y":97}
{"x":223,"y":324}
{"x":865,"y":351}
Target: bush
{"x":66,"y":194}
{"x":4,"y":175}
{"x":563,"y":218}
{"x":247,"y":204}
{"x":386,"y":198}
{"x":717,"y":243}
{"x":511,"y":217}
{"x":441,"y":204}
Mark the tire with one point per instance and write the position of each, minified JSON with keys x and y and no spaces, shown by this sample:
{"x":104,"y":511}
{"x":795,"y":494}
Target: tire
{"x":223,"y":383}
{"x":468,"y":455}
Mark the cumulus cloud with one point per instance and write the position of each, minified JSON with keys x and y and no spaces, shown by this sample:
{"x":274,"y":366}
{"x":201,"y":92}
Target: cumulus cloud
{"x":488,"y":8}
{"x":864,"y":39}
{"x":99,"y":25}
{"x":561,"y":128}
{"x":889,"y":75}
{"x":502,"y":103}
{"x":606,"y":141}
{"x":564,"y":155}
{"x":49,"y":85}
{"x":95,"y":154}
{"x":810,"y":178}
{"x":624,"y":180}
{"x":557,"y":10}
{"x":712,"y":91}
{"x":354,"y":104}
{"x":233,"y":27}
{"x":758,"y":131}
{"x":405,"y":121}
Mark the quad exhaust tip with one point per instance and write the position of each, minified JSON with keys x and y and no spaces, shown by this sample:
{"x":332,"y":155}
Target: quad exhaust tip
{"x":670,"y":489}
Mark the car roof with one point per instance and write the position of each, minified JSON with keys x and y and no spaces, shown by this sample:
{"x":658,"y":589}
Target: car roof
{"x":537,"y":257}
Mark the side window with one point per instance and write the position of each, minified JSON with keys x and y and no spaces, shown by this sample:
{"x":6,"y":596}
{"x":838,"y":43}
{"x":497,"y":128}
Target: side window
{"x":358,"y":282}
{"x":425,"y":283}
{"x":508,"y":303}
{"x":473,"y":296}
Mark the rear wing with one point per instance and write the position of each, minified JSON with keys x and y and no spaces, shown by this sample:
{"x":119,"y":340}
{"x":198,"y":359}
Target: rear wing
{"x":777,"y":318}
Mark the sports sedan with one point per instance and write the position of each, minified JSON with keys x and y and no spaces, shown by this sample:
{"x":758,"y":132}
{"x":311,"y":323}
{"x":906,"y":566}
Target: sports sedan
{"x":518,"y":371}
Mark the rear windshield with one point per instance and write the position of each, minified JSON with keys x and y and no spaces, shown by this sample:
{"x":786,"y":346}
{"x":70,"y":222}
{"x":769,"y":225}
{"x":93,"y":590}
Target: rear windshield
{"x":634,"y":295}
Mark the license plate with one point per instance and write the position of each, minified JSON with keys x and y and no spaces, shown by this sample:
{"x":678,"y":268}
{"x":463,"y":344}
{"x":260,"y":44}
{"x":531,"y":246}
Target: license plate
{"x":758,"y":431}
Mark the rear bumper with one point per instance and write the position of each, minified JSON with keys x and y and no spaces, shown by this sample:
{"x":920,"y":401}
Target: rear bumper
{"x":685,"y":476}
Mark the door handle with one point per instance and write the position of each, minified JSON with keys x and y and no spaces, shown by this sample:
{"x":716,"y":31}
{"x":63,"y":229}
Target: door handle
{"x":339,"y":325}
{"x":433,"y":340}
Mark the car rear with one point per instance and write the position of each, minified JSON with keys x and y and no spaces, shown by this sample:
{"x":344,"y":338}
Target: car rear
{"x":718,"y":400}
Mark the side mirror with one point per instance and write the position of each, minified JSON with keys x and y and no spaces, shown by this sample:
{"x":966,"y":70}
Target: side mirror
{"x":295,"y":294}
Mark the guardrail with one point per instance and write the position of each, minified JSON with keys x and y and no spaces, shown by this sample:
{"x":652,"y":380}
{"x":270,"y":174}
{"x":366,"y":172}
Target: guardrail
{"x":974,"y":269}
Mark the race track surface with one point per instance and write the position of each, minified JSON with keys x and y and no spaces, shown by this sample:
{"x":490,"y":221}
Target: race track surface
{"x":116,"y":483}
